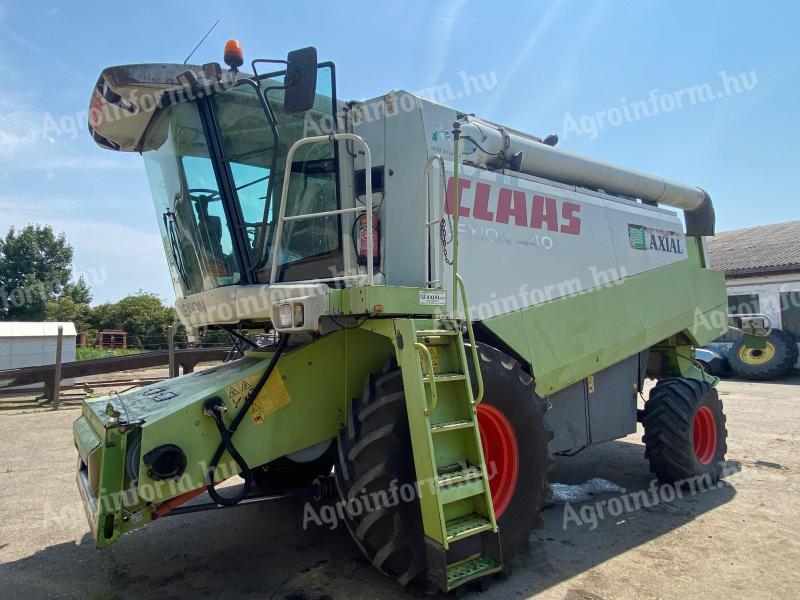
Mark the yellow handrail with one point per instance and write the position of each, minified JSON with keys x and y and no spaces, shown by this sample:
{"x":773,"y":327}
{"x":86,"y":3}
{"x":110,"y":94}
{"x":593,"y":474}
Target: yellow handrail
{"x":426,"y":354}
{"x":471,"y":334}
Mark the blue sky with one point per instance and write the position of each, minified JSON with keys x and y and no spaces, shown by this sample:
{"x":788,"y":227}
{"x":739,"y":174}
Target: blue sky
{"x":572,"y":67}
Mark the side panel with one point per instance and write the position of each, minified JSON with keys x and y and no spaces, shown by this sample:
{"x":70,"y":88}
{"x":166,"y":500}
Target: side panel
{"x":570,"y":338}
{"x":597,"y":409}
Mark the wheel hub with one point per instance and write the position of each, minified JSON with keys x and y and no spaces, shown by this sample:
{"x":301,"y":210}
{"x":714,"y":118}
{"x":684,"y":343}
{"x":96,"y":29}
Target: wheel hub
{"x":501,"y":454}
{"x":757,"y":356}
{"x":704,"y":432}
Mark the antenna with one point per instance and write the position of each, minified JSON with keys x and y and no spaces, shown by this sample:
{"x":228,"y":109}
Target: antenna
{"x":200,"y":42}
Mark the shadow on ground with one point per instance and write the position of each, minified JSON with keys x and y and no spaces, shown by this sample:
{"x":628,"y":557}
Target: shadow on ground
{"x":264,"y":552}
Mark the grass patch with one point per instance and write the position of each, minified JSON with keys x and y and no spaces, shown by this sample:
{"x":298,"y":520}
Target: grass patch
{"x":92,"y":353}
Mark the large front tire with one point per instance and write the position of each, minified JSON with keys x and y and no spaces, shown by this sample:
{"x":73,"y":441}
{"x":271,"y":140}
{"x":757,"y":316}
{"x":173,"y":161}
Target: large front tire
{"x":375,"y":455}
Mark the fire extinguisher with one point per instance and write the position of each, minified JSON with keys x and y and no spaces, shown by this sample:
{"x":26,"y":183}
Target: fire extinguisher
{"x":361,"y":239}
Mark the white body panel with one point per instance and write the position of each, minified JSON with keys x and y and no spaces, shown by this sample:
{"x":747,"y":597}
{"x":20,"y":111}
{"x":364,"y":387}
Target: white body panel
{"x":558,"y":239}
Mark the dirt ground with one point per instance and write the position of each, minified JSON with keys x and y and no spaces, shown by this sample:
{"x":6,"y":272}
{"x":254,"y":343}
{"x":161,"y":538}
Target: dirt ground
{"x":740,"y":540}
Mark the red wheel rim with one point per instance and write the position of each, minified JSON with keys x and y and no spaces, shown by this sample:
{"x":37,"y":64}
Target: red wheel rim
{"x":704,"y":432}
{"x":501,"y":453}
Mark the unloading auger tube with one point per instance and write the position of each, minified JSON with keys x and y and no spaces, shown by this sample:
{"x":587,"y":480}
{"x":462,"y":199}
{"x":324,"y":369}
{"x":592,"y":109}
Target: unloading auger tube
{"x":489,"y":145}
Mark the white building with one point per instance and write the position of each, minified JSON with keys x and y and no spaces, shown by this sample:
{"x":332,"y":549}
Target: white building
{"x":762,"y":271}
{"x":24,"y":344}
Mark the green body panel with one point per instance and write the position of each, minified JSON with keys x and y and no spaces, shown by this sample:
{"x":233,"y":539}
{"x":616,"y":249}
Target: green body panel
{"x":384,"y":300}
{"x":570,"y":338}
{"x":303,"y":403}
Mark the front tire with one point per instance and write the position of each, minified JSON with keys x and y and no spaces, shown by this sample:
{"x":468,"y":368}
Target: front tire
{"x":375,"y":450}
{"x":684,"y":430}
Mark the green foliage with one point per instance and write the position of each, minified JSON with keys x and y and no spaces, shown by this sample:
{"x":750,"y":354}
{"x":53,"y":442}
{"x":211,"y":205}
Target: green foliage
{"x":143,"y":316}
{"x":35,"y":269}
{"x":92,"y":353}
{"x":35,"y":285}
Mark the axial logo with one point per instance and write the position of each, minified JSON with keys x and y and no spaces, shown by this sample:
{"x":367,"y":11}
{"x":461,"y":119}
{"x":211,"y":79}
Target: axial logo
{"x":646,"y":238}
{"x":502,"y":205}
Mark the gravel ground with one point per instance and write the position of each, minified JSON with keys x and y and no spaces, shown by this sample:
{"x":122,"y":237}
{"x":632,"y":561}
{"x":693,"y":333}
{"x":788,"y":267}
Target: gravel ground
{"x":740,"y":540}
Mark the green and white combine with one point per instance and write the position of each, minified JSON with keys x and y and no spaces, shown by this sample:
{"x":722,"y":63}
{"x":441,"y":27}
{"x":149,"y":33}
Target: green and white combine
{"x":448,"y":303}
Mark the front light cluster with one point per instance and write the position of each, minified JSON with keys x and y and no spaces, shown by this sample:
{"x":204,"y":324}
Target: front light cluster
{"x":290,"y":314}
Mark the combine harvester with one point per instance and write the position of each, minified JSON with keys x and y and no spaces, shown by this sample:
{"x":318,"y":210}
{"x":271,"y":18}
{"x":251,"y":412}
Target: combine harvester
{"x":352,"y":231}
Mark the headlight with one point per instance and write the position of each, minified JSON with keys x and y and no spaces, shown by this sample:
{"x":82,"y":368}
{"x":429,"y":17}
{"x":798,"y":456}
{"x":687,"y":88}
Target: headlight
{"x":284,"y":315}
{"x":290,"y":314}
{"x":298,"y":313}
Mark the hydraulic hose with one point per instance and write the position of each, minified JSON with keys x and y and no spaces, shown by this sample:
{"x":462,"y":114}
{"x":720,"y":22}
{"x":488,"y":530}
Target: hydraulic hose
{"x":215,"y":407}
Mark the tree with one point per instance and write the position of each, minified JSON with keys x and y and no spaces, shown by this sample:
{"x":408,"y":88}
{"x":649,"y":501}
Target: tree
{"x":143,"y":316}
{"x":66,"y":308}
{"x":35,"y":269}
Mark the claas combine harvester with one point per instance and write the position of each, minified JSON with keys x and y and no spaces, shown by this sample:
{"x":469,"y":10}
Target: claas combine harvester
{"x":444,"y":305}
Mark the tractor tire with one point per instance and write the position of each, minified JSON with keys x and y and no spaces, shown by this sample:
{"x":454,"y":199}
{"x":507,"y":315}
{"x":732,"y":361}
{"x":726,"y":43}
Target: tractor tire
{"x":775,"y":360}
{"x":284,"y":473}
{"x":375,"y":449}
{"x":684,"y":431}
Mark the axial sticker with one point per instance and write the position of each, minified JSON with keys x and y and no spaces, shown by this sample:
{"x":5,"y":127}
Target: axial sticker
{"x":272,"y":397}
{"x":432,"y":298}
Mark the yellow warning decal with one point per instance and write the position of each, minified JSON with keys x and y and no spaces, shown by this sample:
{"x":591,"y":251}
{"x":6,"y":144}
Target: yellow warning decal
{"x":239,"y":391}
{"x":273,"y":396}
{"x":434,"y":359}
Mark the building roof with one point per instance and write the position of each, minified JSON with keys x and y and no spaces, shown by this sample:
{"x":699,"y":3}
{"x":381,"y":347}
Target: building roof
{"x":16,"y":329}
{"x":757,"y":250}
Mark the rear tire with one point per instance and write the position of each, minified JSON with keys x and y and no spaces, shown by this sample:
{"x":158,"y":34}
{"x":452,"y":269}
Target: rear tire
{"x":775,"y":360}
{"x":375,"y":450}
{"x":684,"y":430}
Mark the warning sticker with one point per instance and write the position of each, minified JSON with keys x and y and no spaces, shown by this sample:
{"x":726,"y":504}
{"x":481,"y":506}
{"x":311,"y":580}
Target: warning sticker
{"x":273,"y":396}
{"x":434,"y":359}
{"x":239,"y":391}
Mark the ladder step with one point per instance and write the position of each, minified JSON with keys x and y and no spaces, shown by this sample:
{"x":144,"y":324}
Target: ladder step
{"x":444,"y":377}
{"x":469,"y":569}
{"x":436,"y":332}
{"x":460,"y":475}
{"x":461,"y":491}
{"x":462,"y":527}
{"x":451,"y":426}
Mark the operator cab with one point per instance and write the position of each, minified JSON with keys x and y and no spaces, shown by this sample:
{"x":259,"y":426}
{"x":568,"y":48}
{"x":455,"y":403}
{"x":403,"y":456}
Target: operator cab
{"x":215,"y":145}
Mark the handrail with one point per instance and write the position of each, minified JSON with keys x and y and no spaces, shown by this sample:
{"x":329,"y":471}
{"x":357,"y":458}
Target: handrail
{"x":468,"y":318}
{"x":422,"y":348}
{"x":282,"y":218}
{"x":742,"y":316}
{"x":428,"y":224}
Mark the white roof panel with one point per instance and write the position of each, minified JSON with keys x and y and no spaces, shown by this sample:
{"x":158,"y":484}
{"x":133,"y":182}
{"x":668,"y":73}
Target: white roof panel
{"x":16,"y":329}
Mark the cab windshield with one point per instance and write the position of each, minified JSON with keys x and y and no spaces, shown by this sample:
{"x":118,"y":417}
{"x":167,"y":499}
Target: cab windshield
{"x":210,"y":180}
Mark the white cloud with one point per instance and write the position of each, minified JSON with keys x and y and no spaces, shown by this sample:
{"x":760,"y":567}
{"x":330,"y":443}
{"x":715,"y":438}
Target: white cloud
{"x":18,"y":134}
{"x":25,"y":147}
{"x":439,"y":36}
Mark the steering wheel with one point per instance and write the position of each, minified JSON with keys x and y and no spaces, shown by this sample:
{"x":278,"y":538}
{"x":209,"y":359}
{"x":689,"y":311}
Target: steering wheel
{"x":210,"y":195}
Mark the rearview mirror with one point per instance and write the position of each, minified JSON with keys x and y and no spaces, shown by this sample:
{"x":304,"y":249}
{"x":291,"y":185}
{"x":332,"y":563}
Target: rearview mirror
{"x":300,"y":80}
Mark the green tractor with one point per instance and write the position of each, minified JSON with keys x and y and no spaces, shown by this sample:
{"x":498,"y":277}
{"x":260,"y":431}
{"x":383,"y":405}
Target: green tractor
{"x":347,"y":234}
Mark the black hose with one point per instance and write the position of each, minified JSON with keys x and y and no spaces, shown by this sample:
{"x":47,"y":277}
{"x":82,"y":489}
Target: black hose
{"x":214,"y":407}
